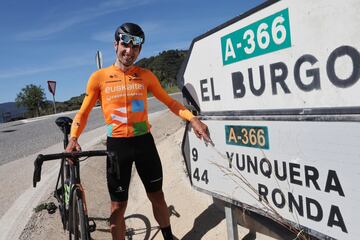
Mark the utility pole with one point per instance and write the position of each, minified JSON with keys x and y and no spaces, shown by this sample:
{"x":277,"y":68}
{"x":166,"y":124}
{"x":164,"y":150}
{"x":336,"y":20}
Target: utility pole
{"x":98,"y":59}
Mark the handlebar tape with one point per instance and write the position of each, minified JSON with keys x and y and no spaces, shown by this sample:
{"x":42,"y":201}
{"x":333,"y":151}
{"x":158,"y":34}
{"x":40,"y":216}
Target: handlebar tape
{"x":37,"y":171}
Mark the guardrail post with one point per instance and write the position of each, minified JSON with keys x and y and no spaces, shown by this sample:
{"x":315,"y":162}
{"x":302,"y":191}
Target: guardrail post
{"x":231,"y":223}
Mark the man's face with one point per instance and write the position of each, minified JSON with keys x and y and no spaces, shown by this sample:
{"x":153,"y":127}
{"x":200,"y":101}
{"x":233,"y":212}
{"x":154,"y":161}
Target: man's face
{"x":127,"y":53}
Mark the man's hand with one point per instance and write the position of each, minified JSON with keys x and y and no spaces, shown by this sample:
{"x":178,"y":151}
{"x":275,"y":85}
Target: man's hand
{"x":200,"y":129}
{"x":73,"y":145}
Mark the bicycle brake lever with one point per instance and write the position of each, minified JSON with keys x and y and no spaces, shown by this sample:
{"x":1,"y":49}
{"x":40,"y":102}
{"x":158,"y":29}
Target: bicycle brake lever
{"x":37,"y":171}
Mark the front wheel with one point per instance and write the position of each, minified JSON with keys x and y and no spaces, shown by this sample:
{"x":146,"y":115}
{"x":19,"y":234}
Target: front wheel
{"x":79,"y":220}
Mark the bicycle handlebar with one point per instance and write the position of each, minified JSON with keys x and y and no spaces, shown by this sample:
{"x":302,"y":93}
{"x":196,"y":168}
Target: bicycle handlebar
{"x":72,"y":155}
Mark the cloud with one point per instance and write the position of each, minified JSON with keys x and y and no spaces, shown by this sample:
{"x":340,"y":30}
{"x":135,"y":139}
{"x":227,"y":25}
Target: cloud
{"x":78,"y":16}
{"x":125,"y":4}
{"x":17,"y":72}
{"x":104,"y":36}
{"x":152,"y":27}
{"x":65,"y":63}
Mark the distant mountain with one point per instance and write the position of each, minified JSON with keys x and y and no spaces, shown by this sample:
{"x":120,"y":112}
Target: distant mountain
{"x":9,"y":111}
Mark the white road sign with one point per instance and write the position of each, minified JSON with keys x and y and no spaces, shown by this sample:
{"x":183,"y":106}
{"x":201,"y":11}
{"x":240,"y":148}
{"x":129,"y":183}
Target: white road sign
{"x":304,"y":173}
{"x":291,"y":56}
{"x":279,"y":90}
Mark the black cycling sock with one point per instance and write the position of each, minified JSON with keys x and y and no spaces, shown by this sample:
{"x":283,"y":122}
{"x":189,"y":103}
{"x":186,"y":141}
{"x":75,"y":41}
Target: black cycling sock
{"x":166,"y":232}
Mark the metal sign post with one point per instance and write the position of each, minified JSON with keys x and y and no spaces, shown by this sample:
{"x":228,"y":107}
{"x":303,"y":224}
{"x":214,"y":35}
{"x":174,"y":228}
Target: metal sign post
{"x":231,"y":223}
{"x":52,"y":88}
{"x":99,"y":59}
{"x":279,"y":93}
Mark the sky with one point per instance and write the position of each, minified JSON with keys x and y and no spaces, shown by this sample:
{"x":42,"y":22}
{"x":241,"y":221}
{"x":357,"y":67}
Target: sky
{"x":43,"y":40}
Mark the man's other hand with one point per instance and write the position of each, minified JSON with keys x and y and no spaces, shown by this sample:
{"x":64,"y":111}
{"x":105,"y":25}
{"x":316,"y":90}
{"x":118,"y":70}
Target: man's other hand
{"x":200,"y":129}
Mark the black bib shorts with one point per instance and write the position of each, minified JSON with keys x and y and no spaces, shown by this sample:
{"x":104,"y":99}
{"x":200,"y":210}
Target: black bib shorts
{"x":142,"y":151}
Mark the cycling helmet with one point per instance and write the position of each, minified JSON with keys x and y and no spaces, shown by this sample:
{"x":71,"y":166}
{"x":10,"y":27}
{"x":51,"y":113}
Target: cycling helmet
{"x":131,"y":29}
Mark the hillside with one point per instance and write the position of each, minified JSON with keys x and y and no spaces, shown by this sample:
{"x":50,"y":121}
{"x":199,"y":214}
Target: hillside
{"x":165,"y":66}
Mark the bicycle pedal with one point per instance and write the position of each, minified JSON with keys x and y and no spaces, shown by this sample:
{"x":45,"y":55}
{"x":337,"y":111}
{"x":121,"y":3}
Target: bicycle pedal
{"x":92,"y":225}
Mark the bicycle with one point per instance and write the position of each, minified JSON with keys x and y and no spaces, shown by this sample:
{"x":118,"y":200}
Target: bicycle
{"x":69,"y":192}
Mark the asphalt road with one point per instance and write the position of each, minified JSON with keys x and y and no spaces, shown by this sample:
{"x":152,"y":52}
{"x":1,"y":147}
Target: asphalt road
{"x":22,"y":138}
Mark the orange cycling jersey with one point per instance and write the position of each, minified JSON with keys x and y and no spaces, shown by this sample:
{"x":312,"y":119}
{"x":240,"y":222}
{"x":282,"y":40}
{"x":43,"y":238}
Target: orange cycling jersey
{"x":123,"y":97}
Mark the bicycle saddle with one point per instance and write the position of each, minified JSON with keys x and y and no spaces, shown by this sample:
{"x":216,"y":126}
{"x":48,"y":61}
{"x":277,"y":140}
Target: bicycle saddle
{"x":64,"y":123}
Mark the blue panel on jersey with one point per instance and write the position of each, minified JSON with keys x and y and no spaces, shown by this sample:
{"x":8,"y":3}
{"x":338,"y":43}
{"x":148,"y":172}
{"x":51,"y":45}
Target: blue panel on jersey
{"x":137,"y":105}
{"x":109,"y":130}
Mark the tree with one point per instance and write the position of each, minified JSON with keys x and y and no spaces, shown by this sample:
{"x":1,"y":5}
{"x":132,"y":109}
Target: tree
{"x":32,"y":97}
{"x":165,"y":66}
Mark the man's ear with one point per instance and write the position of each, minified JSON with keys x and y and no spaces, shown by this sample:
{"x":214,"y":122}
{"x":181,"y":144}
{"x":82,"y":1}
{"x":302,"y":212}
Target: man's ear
{"x":116,"y":44}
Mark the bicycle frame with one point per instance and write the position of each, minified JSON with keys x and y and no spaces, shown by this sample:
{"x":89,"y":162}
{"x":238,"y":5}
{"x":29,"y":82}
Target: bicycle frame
{"x":61,"y":194}
{"x":69,"y":179}
{"x":69,"y":183}
{"x":74,"y":180}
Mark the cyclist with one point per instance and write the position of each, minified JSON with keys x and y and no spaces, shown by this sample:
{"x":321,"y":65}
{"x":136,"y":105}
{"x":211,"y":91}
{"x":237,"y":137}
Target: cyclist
{"x":122,"y":90}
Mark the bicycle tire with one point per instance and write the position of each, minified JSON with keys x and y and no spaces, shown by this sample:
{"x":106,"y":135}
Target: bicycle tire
{"x":138,"y":226}
{"x":80,"y":224}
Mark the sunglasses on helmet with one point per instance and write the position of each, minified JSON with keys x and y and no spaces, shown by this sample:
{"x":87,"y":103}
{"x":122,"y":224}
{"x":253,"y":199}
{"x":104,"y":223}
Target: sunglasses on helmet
{"x":126,"y":38}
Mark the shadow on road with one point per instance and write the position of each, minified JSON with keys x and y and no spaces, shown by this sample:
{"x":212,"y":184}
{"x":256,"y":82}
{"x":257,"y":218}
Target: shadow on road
{"x":136,"y":224}
{"x":207,"y":220}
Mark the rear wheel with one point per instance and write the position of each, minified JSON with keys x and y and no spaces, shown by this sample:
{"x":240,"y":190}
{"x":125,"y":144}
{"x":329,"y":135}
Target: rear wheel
{"x":138,"y":227}
{"x":80,"y":228}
